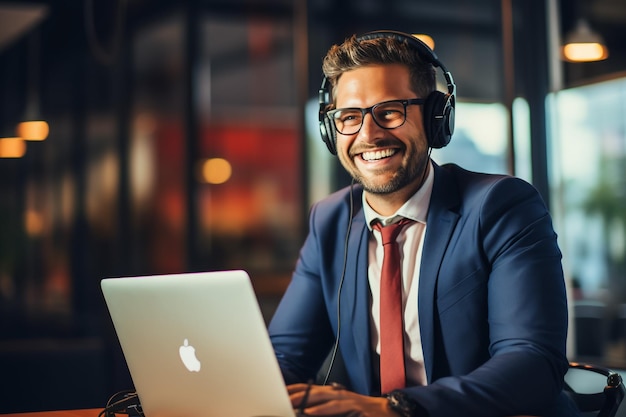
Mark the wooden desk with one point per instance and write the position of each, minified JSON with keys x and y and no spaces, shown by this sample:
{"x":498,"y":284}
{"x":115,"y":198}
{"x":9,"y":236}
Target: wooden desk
{"x":90,"y":412}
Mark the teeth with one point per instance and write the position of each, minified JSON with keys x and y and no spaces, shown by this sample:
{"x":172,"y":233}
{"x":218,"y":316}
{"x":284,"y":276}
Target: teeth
{"x":372,"y":156}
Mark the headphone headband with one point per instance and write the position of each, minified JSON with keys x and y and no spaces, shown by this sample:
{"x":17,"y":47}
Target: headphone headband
{"x":438,"y":108}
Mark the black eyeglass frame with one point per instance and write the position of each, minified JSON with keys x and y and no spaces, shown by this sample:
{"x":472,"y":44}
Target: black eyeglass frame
{"x":370,"y":110}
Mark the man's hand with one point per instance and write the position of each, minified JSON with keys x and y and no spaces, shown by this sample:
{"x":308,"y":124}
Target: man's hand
{"x":335,"y":400}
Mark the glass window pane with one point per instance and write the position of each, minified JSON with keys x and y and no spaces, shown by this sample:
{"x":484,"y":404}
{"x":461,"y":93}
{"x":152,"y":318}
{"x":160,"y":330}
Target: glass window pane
{"x":474,"y":146}
{"x":588,"y":155}
{"x":590,"y":151}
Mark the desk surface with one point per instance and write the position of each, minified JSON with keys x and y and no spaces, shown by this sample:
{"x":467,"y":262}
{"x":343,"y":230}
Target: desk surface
{"x":90,"y":412}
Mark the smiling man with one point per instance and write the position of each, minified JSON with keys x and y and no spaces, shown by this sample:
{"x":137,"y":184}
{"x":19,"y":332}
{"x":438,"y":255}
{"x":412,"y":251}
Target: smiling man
{"x":478,"y":324}
{"x":386,"y":153}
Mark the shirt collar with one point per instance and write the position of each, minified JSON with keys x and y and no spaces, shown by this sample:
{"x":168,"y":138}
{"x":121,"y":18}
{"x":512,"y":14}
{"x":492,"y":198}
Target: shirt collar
{"x":415,"y":208}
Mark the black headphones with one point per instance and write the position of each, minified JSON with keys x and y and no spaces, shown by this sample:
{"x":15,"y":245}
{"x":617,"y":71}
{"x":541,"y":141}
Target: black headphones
{"x":438,"y":108}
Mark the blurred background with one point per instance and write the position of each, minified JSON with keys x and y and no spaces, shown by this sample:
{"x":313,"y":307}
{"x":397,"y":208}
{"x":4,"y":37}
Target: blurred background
{"x":146,"y":137}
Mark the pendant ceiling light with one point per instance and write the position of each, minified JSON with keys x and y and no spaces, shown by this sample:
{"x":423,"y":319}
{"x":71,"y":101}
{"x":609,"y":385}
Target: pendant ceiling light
{"x":584,"y":45}
{"x":33,"y":128}
{"x":12,"y":147}
{"x":427,"y":39}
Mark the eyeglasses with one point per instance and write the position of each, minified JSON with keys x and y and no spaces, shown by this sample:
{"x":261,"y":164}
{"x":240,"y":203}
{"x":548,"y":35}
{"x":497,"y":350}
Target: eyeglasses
{"x":388,"y":115}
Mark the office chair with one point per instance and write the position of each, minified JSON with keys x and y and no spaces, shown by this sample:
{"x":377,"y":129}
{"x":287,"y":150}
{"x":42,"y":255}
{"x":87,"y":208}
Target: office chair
{"x":597,"y":403}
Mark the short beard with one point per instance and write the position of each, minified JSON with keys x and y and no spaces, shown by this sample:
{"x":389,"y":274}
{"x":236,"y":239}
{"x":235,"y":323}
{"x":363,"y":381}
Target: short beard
{"x":401,"y":179}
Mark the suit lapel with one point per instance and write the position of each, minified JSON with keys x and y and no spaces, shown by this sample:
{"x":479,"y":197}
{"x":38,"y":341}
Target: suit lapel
{"x":441,"y":222}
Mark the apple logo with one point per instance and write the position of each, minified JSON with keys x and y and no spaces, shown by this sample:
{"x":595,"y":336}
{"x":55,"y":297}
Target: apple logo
{"x":188,"y":356}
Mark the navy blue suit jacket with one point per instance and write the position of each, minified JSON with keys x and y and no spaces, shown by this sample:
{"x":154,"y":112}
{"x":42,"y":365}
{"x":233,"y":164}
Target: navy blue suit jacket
{"x":492,"y":303}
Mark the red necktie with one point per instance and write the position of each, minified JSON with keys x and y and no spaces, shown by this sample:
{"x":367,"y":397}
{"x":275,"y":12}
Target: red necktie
{"x":392,"y":373}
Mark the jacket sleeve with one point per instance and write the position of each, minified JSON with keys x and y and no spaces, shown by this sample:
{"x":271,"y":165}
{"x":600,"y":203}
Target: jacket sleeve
{"x":515,"y":297}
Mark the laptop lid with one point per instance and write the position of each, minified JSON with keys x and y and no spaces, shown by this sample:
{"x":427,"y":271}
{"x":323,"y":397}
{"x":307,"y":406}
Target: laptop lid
{"x":196,"y":345}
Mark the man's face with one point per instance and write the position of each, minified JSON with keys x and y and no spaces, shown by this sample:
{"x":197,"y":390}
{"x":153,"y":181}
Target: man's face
{"x":383,"y":160}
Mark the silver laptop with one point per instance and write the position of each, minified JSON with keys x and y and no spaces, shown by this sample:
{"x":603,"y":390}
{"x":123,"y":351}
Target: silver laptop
{"x":197,"y":345}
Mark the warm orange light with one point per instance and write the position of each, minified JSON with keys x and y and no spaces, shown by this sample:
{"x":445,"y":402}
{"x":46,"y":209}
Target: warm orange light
{"x":33,"y":223}
{"x":12,"y":148}
{"x":585,"y":52}
{"x":427,"y":39}
{"x":33,"y":130}
{"x":584,"y":45}
{"x":216,"y":171}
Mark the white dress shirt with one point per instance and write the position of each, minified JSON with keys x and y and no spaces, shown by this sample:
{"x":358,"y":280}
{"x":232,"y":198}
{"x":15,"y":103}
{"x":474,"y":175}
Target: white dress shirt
{"x":410,"y":241}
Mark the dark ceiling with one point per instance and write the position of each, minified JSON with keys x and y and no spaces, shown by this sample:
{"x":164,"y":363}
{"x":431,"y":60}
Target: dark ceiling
{"x":478,"y":19}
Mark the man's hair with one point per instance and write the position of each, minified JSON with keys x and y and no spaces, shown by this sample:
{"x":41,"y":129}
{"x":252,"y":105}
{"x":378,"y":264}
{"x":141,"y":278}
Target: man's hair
{"x":354,"y":53}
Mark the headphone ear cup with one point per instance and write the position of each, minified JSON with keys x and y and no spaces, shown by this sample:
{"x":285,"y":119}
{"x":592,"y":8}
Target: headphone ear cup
{"x":438,"y":119}
{"x":327,"y":131}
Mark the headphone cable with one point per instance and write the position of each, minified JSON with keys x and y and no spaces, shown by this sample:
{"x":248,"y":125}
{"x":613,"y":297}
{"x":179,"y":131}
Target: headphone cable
{"x":343,"y":274}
